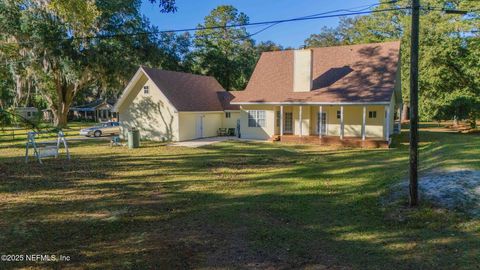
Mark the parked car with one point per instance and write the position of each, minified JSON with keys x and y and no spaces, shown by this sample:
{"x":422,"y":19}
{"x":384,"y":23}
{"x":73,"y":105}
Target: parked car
{"x":108,"y":128}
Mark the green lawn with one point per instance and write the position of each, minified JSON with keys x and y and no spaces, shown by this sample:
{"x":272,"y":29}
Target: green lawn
{"x":9,"y":135}
{"x":234,"y":204}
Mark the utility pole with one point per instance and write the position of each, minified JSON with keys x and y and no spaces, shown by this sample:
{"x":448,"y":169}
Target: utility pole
{"x":414,"y":103}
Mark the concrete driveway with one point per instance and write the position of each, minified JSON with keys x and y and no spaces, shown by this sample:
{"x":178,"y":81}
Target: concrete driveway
{"x":204,"y":141}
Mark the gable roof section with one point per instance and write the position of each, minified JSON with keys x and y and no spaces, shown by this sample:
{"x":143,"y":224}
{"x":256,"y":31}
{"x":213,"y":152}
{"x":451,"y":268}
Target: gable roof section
{"x":185,"y":91}
{"x":225,"y":98}
{"x":345,"y":74}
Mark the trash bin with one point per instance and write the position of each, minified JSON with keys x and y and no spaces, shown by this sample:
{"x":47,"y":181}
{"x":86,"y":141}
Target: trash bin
{"x":133,"y":138}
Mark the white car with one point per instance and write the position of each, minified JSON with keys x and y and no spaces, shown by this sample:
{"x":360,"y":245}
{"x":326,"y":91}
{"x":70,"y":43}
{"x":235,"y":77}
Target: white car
{"x":108,"y":128}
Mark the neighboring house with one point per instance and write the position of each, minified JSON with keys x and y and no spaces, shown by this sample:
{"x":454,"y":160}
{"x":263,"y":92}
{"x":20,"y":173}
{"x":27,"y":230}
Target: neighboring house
{"x":98,"y":111}
{"x":28,"y":113}
{"x":344,"y":93}
{"x":176,"y":106}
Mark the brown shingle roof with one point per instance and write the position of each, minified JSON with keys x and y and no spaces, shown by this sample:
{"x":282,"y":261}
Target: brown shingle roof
{"x":355,"y":73}
{"x":225,"y":98}
{"x":190,"y":92}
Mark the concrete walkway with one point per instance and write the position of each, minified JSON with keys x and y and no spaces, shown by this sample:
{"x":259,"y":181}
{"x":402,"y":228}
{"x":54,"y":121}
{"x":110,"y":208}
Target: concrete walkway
{"x":204,"y":141}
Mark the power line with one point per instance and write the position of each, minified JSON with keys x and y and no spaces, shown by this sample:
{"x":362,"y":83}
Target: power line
{"x":449,"y":11}
{"x":328,"y":14}
{"x":270,"y":24}
{"x":353,"y":9}
{"x":311,"y":17}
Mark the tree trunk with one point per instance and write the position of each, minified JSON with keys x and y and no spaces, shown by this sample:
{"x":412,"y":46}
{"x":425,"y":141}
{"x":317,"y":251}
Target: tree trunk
{"x":60,"y":114}
{"x":64,"y":94}
{"x":473,"y":120}
{"x":455,"y":121}
{"x":60,"y":118}
{"x":404,"y":117}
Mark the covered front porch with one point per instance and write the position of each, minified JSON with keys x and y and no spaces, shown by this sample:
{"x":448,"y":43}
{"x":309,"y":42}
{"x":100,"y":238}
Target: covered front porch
{"x":356,"y":125}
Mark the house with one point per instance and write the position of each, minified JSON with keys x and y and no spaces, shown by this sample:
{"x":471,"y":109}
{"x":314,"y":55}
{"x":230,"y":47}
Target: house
{"x":99,"y":111}
{"x":349,"y":95}
{"x":344,"y":94}
{"x":167,"y":105}
{"x":29,"y":113}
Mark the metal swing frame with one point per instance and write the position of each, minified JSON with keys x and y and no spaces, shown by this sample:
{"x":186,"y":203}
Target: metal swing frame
{"x":45,"y":149}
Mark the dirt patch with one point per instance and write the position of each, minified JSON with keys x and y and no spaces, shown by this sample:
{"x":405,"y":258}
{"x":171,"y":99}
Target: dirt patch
{"x":457,"y":190}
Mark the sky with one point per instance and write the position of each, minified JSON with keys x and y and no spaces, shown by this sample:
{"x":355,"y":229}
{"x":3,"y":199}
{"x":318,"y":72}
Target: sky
{"x":192,"y":12}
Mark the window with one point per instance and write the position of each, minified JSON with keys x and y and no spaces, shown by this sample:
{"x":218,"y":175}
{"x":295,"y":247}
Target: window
{"x":372,"y":114}
{"x":145,"y":90}
{"x":256,"y":118}
{"x":29,"y":114}
{"x":228,"y":115}
{"x":339,"y":114}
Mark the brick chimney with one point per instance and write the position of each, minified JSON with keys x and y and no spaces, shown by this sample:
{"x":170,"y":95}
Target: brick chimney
{"x":302,"y":70}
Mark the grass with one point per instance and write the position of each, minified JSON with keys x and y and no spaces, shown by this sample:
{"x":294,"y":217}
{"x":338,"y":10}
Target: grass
{"x":10,"y":134}
{"x":234,"y":204}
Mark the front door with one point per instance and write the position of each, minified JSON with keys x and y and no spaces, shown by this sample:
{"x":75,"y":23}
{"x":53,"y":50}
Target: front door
{"x":288,"y":123}
{"x":322,"y":123}
{"x":199,"y":127}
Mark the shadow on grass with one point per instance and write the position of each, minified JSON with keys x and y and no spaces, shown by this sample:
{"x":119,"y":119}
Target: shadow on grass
{"x":232,"y":205}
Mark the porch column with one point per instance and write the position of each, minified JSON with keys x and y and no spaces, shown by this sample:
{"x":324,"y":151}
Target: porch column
{"x":399,"y":119}
{"x":364,"y":123}
{"x":281,"y":120}
{"x":387,"y":122}
{"x":300,"y":120}
{"x":320,"y":124}
{"x":342,"y":124}
{"x":85,"y":115}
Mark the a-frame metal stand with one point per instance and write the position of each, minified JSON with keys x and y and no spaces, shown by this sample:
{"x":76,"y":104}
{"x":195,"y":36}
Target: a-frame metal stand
{"x":45,"y":149}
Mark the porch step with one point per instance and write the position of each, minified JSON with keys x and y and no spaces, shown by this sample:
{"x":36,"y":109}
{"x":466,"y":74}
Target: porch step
{"x":275,"y":138}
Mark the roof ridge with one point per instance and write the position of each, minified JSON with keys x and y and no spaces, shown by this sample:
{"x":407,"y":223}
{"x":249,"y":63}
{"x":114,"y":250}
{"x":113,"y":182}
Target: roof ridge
{"x":358,"y":45}
{"x":334,"y":46}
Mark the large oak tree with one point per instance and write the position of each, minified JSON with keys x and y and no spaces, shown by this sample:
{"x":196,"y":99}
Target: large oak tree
{"x":54,"y":46}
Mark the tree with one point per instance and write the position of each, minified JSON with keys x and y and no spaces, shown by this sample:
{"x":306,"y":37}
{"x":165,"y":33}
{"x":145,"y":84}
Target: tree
{"x":58,"y":55}
{"x":267,"y":46}
{"x":167,"y":51}
{"x":6,"y":86}
{"x":447,"y":52}
{"x":328,"y":36}
{"x":228,"y":54}
{"x":462,"y":106}
{"x":174,"y":52}
{"x":166,"y":5}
